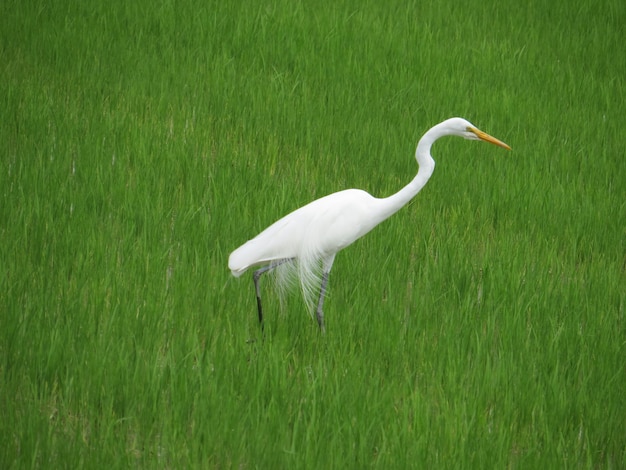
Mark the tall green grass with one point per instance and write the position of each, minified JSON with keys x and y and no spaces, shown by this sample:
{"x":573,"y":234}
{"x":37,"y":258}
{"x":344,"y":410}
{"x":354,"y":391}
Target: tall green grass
{"x":482,"y":326}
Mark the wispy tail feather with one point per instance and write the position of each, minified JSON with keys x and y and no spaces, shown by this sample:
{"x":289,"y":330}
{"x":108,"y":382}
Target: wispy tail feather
{"x":303,"y":271}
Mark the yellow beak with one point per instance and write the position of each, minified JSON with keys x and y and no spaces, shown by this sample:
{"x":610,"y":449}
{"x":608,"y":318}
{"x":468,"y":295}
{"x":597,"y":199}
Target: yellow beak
{"x":487,"y":138}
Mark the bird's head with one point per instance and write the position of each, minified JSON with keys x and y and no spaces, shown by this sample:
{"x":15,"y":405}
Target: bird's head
{"x":465,"y":129}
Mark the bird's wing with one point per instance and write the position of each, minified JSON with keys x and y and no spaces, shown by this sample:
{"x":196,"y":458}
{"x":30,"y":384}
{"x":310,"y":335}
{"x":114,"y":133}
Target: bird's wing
{"x":339,"y":220}
{"x":273,"y":243}
{"x":312,"y":232}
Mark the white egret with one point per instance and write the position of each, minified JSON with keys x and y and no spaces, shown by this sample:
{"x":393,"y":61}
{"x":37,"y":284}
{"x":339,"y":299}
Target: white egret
{"x":310,"y":237}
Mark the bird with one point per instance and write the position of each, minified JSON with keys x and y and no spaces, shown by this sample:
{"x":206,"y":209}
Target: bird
{"x":306,"y":241}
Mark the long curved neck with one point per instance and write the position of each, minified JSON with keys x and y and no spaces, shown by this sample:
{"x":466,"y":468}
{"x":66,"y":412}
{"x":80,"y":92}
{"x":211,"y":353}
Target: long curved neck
{"x":392,"y":204}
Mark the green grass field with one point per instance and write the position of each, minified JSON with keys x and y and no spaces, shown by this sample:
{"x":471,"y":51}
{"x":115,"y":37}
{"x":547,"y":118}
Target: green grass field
{"x":483,"y":326}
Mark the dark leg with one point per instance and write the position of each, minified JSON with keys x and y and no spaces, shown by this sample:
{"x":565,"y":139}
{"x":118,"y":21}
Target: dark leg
{"x":256,"y":276}
{"x":320,"y":303}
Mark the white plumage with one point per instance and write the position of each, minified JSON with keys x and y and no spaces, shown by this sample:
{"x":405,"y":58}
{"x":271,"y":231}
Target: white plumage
{"x":311,"y":236}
